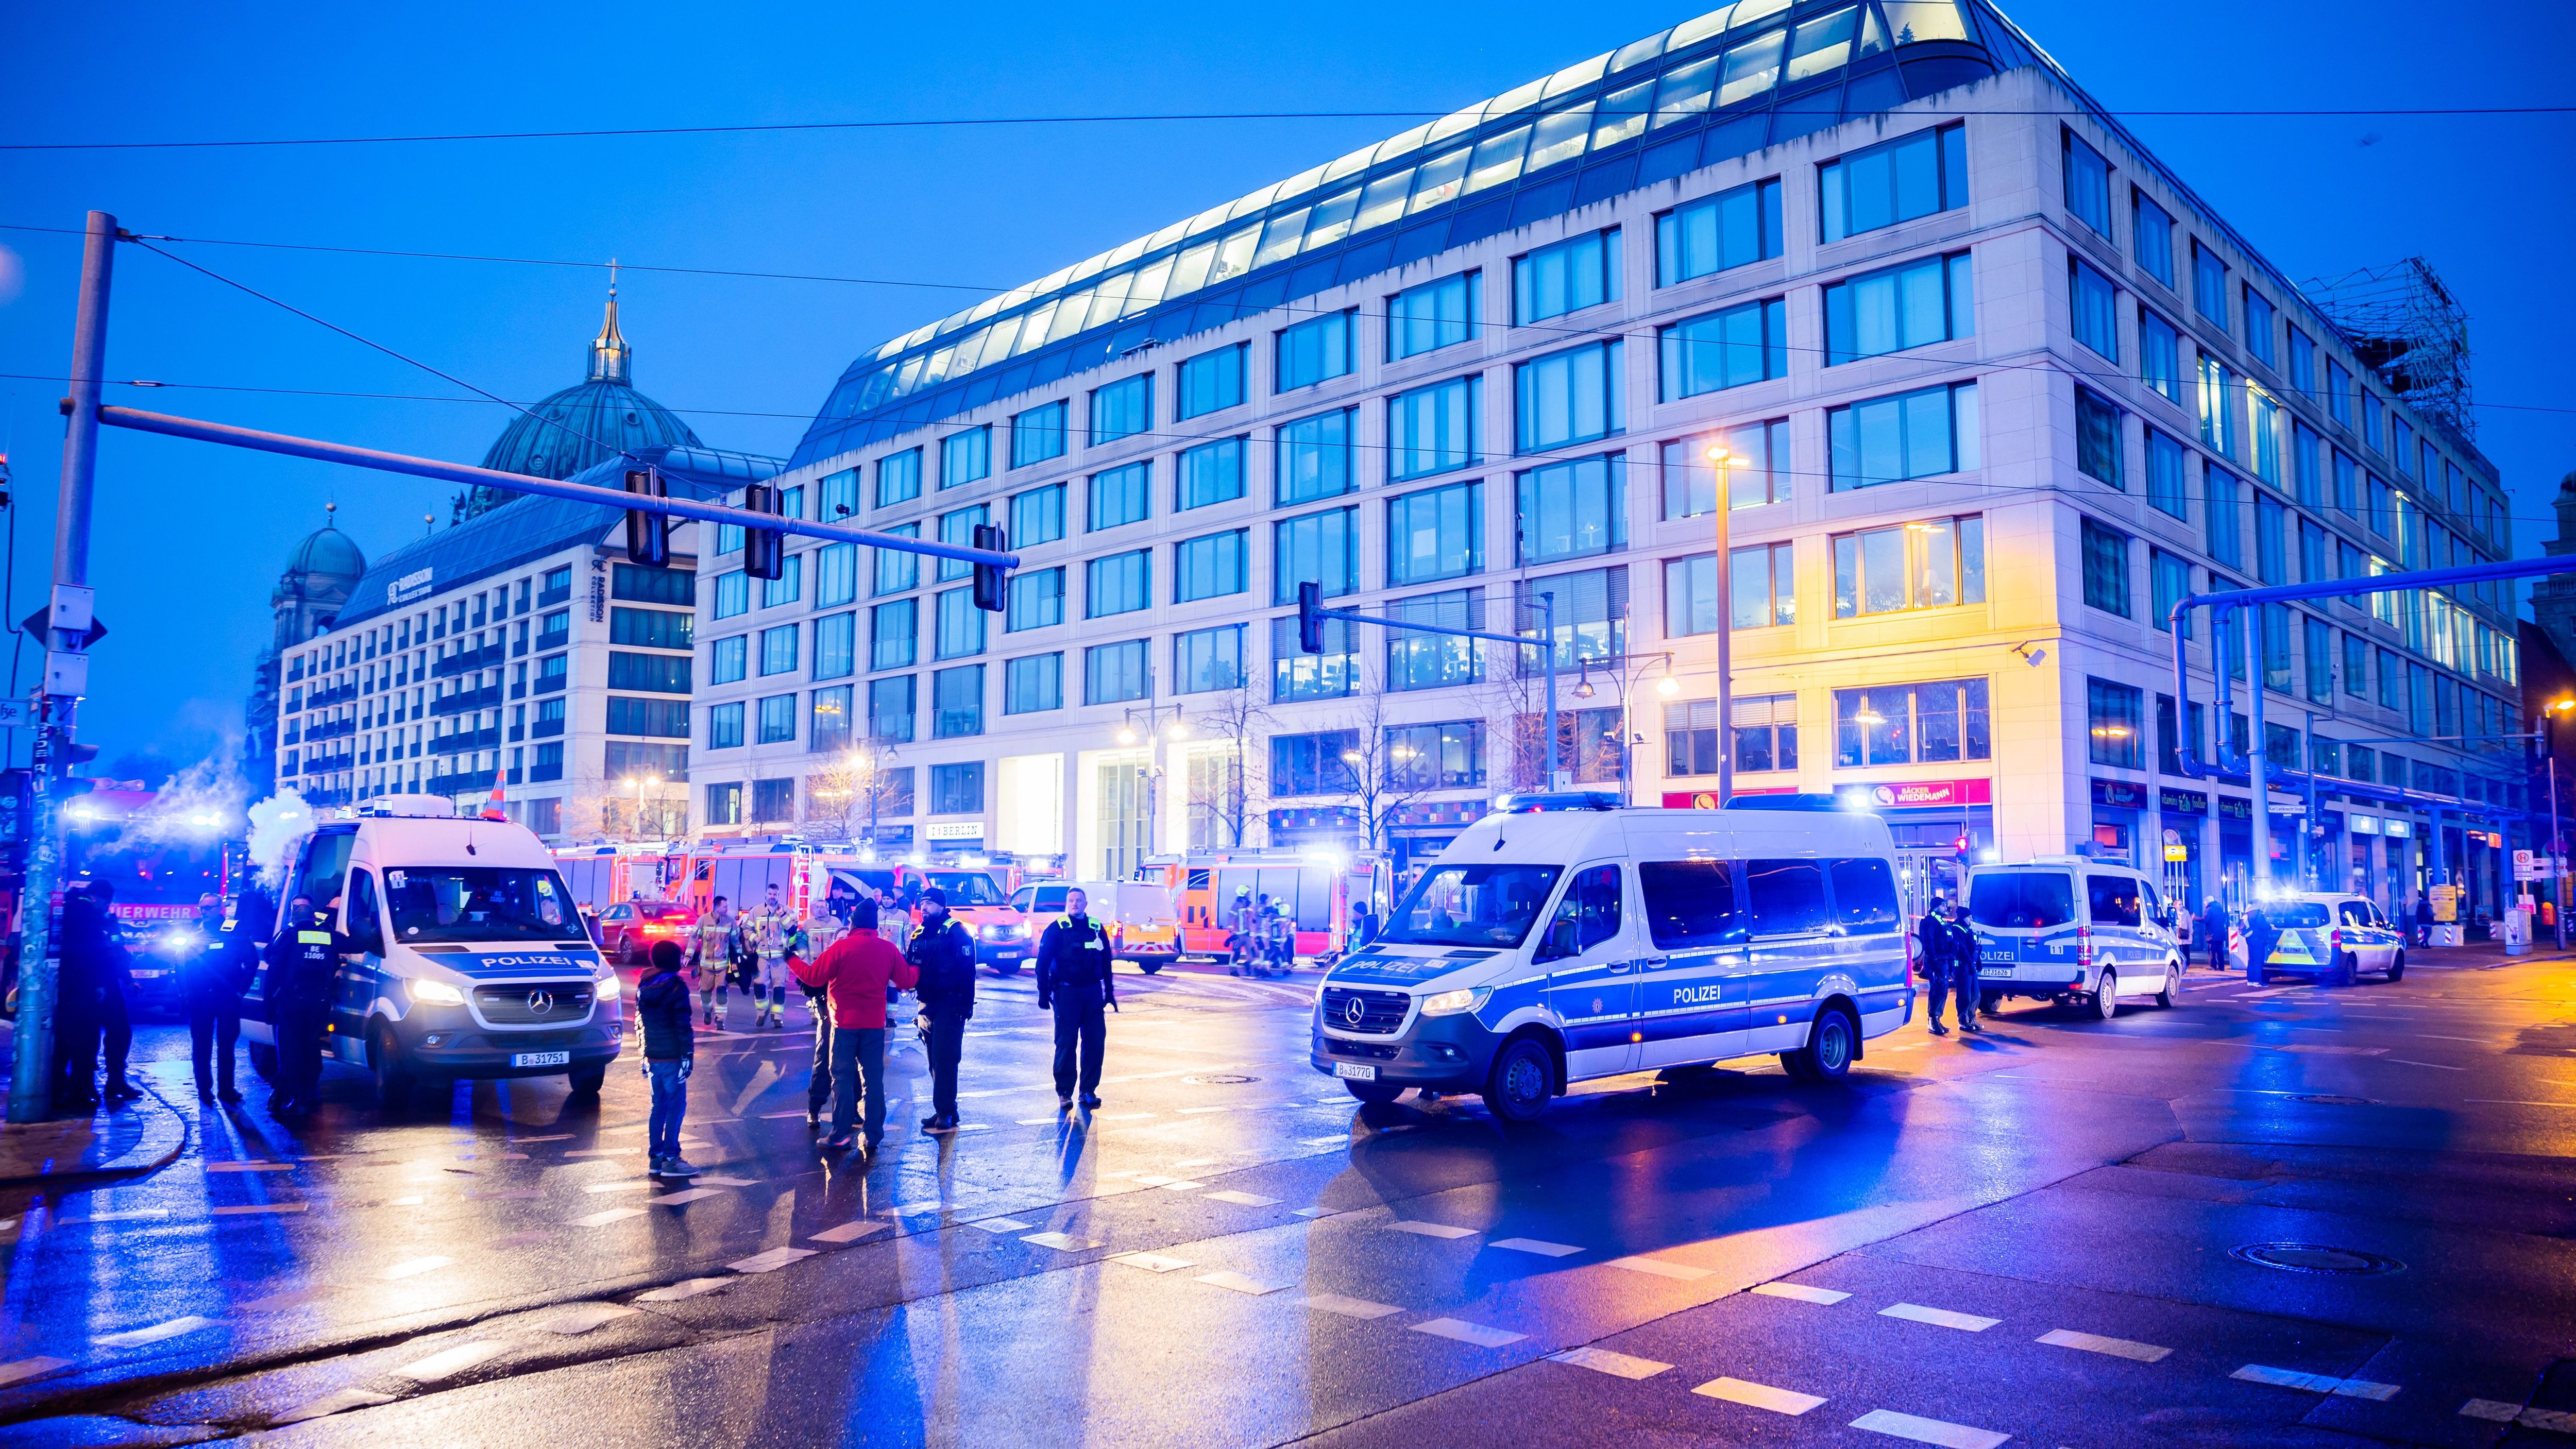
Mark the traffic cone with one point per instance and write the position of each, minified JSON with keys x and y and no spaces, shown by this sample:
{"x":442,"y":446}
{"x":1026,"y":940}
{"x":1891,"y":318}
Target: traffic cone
{"x":492,"y":807}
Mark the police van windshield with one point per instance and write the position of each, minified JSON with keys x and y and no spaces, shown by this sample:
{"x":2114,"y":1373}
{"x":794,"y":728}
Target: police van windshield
{"x":967,"y":888}
{"x":478,"y":903}
{"x":1472,"y":905}
{"x":2025,"y":900}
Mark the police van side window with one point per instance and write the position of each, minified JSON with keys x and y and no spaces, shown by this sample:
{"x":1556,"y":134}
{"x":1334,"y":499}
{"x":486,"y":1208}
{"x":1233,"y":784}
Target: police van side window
{"x":366,"y":923}
{"x":1788,"y":897}
{"x":2114,"y":899}
{"x":2355,"y":914}
{"x":1690,"y":903}
{"x":326,"y":861}
{"x":1587,"y":916}
{"x":1864,"y":897}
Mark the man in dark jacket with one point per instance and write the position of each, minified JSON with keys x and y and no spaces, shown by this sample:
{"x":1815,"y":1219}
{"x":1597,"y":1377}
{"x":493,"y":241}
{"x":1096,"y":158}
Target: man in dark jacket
{"x":116,"y":997}
{"x":80,"y":982}
{"x":943,"y":954}
{"x":303,"y":963}
{"x":2213,"y":933}
{"x":2260,"y":937}
{"x":1074,"y":979}
{"x":670,"y":1053}
{"x":1935,"y":948}
{"x":211,"y":977}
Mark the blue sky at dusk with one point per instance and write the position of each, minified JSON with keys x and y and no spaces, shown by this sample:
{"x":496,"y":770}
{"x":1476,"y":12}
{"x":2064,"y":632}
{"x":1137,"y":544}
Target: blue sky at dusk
{"x":191,"y":537}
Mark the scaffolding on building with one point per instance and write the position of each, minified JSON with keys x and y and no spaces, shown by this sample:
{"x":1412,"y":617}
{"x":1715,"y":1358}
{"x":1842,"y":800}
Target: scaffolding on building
{"x":2407,"y":327}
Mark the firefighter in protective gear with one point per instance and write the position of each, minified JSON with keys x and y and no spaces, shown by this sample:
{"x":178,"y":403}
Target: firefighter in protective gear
{"x":768,"y":930}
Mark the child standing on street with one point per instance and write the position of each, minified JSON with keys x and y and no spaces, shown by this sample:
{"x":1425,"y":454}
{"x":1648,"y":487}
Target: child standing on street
{"x":670,"y":1051}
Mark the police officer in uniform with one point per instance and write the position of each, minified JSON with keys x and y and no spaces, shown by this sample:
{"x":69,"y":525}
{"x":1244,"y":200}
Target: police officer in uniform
{"x":943,"y":952}
{"x":302,"y":963}
{"x":1074,"y":979}
{"x":210,"y":984}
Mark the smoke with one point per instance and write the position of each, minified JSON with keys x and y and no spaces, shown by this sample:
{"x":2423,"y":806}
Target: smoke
{"x":199,"y":804}
{"x":276,"y":823}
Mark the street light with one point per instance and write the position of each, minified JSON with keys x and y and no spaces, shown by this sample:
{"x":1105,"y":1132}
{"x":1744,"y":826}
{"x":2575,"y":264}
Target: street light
{"x":2557,"y":842}
{"x":1722,"y":458}
{"x":1152,"y":736}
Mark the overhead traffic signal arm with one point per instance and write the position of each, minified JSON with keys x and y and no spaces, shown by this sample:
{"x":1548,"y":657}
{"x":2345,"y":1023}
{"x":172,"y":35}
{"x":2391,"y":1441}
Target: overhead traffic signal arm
{"x":648,"y":537}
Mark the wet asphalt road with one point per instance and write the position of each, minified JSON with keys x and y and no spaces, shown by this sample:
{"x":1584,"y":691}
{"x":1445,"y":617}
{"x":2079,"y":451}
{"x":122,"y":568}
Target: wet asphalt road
{"x":2029,"y":1238}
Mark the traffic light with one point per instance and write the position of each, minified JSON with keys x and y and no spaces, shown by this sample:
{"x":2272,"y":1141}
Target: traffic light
{"x":1960,"y":846}
{"x":648,"y":540}
{"x":988,"y":577}
{"x":764,"y":550}
{"x":1310,"y":617}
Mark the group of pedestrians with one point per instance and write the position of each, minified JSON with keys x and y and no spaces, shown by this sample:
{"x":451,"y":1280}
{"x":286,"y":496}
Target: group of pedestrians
{"x":753,"y":947}
{"x":1946,"y":955}
{"x":93,"y":1004}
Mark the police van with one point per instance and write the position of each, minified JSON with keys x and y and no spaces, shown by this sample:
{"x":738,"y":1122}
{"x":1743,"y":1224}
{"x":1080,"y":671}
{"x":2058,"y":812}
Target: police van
{"x":2075,"y":930}
{"x":2330,"y":936}
{"x":470,"y":958}
{"x":1546,"y":948}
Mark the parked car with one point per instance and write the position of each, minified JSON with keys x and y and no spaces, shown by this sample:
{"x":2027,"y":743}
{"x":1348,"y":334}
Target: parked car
{"x":2330,"y":936}
{"x":628,"y":929}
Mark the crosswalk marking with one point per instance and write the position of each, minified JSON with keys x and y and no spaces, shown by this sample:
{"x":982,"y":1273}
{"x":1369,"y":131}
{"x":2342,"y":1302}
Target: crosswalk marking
{"x":1800,"y":1292}
{"x":2556,"y":1421}
{"x":448,"y":1363}
{"x":1537,"y":1246}
{"x":1152,"y":1262}
{"x":849,"y":1232}
{"x":771,"y":1261}
{"x":1939,"y":1317}
{"x":1428,"y":1230}
{"x":1661,"y":1269}
{"x":2255,"y":1373}
{"x":1061,"y":1242}
{"x":1238,"y":1283}
{"x":584,"y":1317}
{"x":1243,"y":1199}
{"x":2096,"y":1343}
{"x":1617,"y":1365}
{"x":1349,"y":1307}
{"x":413,"y":1268}
{"x":336,"y":1402}
{"x":684,"y":1195}
{"x":1928,"y":1431}
{"x":1758,"y":1396}
{"x":687,"y":1288}
{"x":1464,"y":1332}
{"x":1001,"y":1225}
{"x":612,"y":1215}
{"x":159,"y":1332}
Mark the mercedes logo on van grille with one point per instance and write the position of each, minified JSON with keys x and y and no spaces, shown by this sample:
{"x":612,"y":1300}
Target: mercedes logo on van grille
{"x":540,"y":1002}
{"x":1355,"y":1012}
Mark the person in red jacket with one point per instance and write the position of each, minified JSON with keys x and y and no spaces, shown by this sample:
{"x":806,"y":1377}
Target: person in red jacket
{"x":854,"y":974}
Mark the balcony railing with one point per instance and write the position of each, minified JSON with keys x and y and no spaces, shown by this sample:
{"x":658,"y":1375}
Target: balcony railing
{"x":555,"y":640}
{"x":467,"y":700}
{"x":551,"y":684}
{"x":466,"y":661}
{"x":540,"y":774}
{"x":545,"y":729}
{"x":552,"y":597}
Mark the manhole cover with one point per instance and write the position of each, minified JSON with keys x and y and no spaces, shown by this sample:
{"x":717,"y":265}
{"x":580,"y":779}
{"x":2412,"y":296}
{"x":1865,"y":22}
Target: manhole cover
{"x":1219,"y":1079}
{"x":2315,"y":1258}
{"x":2331,"y":1100}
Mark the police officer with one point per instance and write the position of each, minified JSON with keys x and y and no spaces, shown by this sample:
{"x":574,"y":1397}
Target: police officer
{"x":1074,"y":979}
{"x":943,"y":953}
{"x":1933,"y":947}
{"x":302,"y":963}
{"x":210,"y":985}
{"x":1963,"y":969}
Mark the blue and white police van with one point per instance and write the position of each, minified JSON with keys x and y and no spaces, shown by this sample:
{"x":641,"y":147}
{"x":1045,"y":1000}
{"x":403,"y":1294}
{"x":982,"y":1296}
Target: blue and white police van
{"x":471,"y":959}
{"x":2074,"y":930}
{"x":1545,"y":948}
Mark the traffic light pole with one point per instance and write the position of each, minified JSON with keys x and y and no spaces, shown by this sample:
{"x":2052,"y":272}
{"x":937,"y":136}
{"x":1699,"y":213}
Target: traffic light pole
{"x":31,"y":1078}
{"x":1311,"y":612}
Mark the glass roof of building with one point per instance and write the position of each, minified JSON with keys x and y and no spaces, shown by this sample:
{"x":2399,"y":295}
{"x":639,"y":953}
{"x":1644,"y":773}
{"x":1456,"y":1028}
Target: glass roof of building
{"x":1746,"y":75}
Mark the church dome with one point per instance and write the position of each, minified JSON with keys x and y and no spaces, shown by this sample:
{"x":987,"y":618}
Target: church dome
{"x":590,"y":421}
{"x":324,"y":567}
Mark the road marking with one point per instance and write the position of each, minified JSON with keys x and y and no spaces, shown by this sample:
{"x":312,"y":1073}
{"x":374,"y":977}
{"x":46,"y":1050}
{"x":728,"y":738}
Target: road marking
{"x":1660,"y":1268}
{"x":1061,"y":1242}
{"x":606,"y":1152}
{"x":585,"y":1317}
{"x":413,"y":1268}
{"x":603,"y":1219}
{"x":2255,"y":1373}
{"x":1336,"y":1140}
{"x":684,"y":1195}
{"x":137,"y":1337}
{"x":1464,"y":1332}
{"x":771,"y":1261}
{"x":1617,"y":1365}
{"x":2330,"y":1051}
{"x":1123,"y":1117}
{"x":1428,"y":1230}
{"x":1534,"y":1245}
{"x":122,"y":1215}
{"x":849,"y":1232}
{"x":1179,"y":1184}
{"x":689,"y":1288}
{"x":1349,"y":1307}
{"x":1241,"y":1284}
{"x":642,"y":1186}
{"x":1799,"y":1291}
{"x":1152,"y":1262}
{"x":2437,"y":1066}
{"x":1001,"y":1225}
{"x":726,"y":1182}
{"x":765,"y":1117}
{"x":1195,"y":1111}
{"x":1243,"y":1199}
{"x":2556,"y":1421}
{"x":450,"y":1362}
{"x":339,"y":1401}
{"x":250,"y":1167}
{"x":1928,"y":1431}
{"x":2096,"y":1343}
{"x":1196,"y":1162}
{"x":1940,"y":1317}
{"x":258,"y":1209}
{"x":1042,"y":1121}
{"x":2471,"y":1040}
{"x":1758,"y":1396}
{"x":2509,"y":1102}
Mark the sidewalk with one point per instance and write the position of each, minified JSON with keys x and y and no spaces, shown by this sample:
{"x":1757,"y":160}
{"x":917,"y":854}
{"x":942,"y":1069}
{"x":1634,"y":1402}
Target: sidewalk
{"x":139,"y":1137}
{"x":2485,"y":955}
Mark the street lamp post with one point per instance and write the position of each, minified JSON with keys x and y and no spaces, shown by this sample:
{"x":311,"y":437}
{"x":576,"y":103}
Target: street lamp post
{"x":1153,"y":738}
{"x":1721,"y":458}
{"x":2557,"y":842}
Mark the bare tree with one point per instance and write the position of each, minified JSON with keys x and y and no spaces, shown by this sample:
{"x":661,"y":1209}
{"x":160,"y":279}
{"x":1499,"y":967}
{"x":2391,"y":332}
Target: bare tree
{"x":1225,"y":784}
{"x":852,"y":791}
{"x":1382,"y":776}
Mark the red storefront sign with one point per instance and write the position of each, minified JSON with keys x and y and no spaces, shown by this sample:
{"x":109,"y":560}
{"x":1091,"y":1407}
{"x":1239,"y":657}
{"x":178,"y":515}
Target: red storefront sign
{"x":1919,"y":794}
{"x":1707,"y":799}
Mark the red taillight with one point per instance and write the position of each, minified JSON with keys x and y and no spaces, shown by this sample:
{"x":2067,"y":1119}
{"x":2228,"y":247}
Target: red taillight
{"x":2084,"y":947}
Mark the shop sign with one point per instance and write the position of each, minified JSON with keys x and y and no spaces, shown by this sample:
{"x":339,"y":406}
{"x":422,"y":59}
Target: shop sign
{"x":1317,"y":817}
{"x":2181,"y":802}
{"x":1918,"y":794}
{"x":2120,"y":794}
{"x":2235,"y":807}
{"x":953,"y":830}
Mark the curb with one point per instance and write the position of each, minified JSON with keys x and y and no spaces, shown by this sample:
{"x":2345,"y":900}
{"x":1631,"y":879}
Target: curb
{"x":165,"y":1136}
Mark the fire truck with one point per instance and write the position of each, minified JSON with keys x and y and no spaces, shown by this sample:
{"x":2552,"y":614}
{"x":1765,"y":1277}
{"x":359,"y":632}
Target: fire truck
{"x":1316,"y":890}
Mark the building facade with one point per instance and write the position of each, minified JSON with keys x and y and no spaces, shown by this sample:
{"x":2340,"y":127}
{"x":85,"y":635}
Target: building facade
{"x":1994,"y":389}
{"x":311,"y":591}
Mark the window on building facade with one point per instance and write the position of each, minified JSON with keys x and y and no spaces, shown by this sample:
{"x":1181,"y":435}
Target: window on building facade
{"x":2117,"y":715}
{"x":957,"y":702}
{"x":836,"y":575}
{"x":2098,"y":446}
{"x":2223,"y":498}
{"x":835,"y":645}
{"x":2263,"y":422}
{"x":1321,"y":547}
{"x":1211,"y":381}
{"x":838,"y":497}
{"x":2307,"y":471}
{"x":2338,"y":392}
{"x":1431,"y":429}
{"x":896,"y":569}
{"x":1929,"y":564}
{"x":1210,"y":473}
{"x":1567,"y":276}
{"x":827,"y":730}
{"x":2088,"y":183}
{"x":1917,"y":434}
{"x":733,"y":594}
{"x":1591,"y":613}
{"x":778,"y":649}
{"x":1431,"y":316}
{"x":788,"y":587}
{"x":1122,"y":409}
{"x":1908,"y":724}
{"x":2219,"y":407}
{"x":1314,"y":458}
{"x":2271,"y":546}
{"x":1206,"y":660}
{"x":961,"y":625}
{"x":1312,"y":764}
{"x":965,"y":457}
{"x":1037,"y":516}
{"x":1764,"y":581}
{"x":1033,"y":684}
{"x":958,"y":528}
{"x":1211,"y":565}
{"x":1894,"y":181}
{"x":1572,"y":396}
{"x":1297,"y":675}
{"x":2316,"y":554}
{"x":2303,"y":364}
{"x":1034,"y":600}
{"x":2209,"y":285}
{"x":894,"y":631}
{"x":1438,"y":533}
{"x":1572,"y":509}
{"x":1911,"y":305}
{"x":773,"y":801}
{"x":2262,"y":326}
{"x":1434,"y":661}
{"x":1121,"y":496}
{"x":728,"y":660}
{"x":1731,"y":348}
{"x":1757,"y":469}
{"x":1718,"y":233}
{"x":1436,"y":756}
{"x":651,"y":673}
{"x":2318,"y":654}
{"x":1115,"y":673}
{"x":2106,"y":568}
{"x":891,"y":708}
{"x":1315,"y":350}
{"x":898,"y":477}
{"x":2153,"y":228}
{"x":2356,"y":666}
{"x":1039,"y":434}
{"x":724,"y":725}
{"x":778,"y":719}
{"x":1118,"y":584}
{"x":2170,"y":576}
{"x":2096,"y":311}
{"x":2160,"y":357}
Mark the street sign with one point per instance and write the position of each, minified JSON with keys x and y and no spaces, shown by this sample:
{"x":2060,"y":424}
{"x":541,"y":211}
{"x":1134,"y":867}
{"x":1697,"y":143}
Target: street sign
{"x":2528,"y":865}
{"x":13,"y":714}
{"x":2446,"y":903}
{"x":2178,"y":854}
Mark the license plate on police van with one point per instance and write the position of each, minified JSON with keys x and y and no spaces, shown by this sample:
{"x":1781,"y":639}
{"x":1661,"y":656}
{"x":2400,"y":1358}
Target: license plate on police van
{"x":1355,"y":1071}
{"x":541,"y":1059}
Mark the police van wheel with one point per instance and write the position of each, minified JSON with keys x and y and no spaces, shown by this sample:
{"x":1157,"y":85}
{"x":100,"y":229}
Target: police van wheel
{"x":393,"y":1082}
{"x":1831,"y":1044}
{"x":2106,"y":996}
{"x":263,"y":1060}
{"x":2172,"y":986}
{"x":586,"y":1081}
{"x":1375,"y":1093}
{"x":1522,"y":1079}
{"x":2397,"y":966}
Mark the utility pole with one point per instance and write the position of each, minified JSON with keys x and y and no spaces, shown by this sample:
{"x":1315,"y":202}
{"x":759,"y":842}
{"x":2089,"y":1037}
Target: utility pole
{"x":68,"y":621}
{"x":1721,"y":458}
